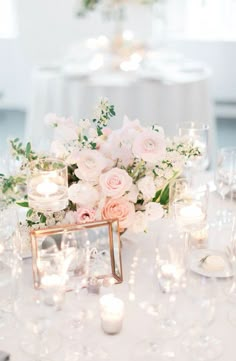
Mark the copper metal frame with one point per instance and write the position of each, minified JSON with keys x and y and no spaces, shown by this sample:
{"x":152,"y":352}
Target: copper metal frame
{"x":61,"y":229}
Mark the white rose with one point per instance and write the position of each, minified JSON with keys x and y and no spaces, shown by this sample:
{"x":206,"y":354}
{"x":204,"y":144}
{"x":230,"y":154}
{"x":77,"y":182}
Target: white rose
{"x":132,"y":195}
{"x":90,"y":165}
{"x":83,"y":194}
{"x":147,"y":186}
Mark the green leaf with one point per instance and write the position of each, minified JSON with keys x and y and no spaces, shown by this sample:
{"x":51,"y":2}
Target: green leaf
{"x":164,"y":199}
{"x":23,"y":204}
{"x":29,"y":213}
{"x":43,"y":218}
{"x":99,"y":132}
{"x":28,"y":149}
{"x":157,"y":195}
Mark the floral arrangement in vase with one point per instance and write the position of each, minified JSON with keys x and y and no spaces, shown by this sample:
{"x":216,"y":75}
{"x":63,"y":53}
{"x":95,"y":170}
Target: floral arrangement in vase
{"x":84,"y":6}
{"x":123,"y":173}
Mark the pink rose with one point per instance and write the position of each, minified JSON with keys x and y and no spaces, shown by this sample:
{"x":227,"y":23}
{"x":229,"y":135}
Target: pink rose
{"x":84,"y":215}
{"x":150,"y":146}
{"x":115,"y":182}
{"x":119,"y":208}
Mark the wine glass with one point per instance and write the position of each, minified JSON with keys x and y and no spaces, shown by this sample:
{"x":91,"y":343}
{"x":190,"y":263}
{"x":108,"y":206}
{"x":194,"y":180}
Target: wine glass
{"x":170,"y":280}
{"x":196,"y":134}
{"x":202,"y":293}
{"x":170,"y":273}
{"x":225,"y":180}
{"x":9,"y":258}
{"x":36,"y":310}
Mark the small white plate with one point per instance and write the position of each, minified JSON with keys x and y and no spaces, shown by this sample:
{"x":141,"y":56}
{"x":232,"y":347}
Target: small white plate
{"x":196,"y":264}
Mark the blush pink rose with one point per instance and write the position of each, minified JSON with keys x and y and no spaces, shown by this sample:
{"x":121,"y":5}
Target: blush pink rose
{"x":119,"y":208}
{"x":115,"y":183}
{"x":84,"y":215}
{"x":149,"y":146}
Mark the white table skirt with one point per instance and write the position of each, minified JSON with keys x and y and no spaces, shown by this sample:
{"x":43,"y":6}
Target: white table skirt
{"x":137,"y":324}
{"x":164,"y":101}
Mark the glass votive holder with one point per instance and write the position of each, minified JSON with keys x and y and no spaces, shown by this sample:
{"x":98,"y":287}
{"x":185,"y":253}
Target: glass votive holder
{"x":112,"y":314}
{"x":198,"y":135}
{"x":47,"y":185}
{"x":189,"y":205}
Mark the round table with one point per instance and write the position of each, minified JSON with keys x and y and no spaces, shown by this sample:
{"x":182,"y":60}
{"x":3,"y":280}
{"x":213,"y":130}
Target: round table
{"x":138,"y":324}
{"x":165,"y":91}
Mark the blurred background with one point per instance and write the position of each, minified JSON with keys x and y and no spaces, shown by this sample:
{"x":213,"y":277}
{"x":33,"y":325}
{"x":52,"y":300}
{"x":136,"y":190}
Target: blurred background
{"x":164,"y":61}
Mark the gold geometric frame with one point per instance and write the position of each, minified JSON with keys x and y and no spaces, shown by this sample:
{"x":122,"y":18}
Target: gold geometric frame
{"x":114,"y":245}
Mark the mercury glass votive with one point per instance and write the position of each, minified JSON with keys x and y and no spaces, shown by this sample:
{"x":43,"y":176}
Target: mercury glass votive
{"x":47,"y":185}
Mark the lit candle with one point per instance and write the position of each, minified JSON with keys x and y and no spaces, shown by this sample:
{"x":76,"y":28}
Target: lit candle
{"x":191,"y":214}
{"x":112,"y":313}
{"x":168,"y":270}
{"x":47,"y":188}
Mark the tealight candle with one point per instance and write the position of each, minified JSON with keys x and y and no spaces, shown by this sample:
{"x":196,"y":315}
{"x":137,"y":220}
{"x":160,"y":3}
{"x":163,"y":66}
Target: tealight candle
{"x":112,"y":313}
{"x":46,"y":188}
{"x":168,"y":270}
{"x":191,"y":214}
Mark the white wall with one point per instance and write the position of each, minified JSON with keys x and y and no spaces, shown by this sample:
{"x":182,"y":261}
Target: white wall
{"x":48,"y":27}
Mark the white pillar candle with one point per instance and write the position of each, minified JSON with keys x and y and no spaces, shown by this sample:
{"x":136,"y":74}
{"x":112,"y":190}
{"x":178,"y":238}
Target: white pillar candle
{"x":191,"y":214}
{"x":112,"y":313}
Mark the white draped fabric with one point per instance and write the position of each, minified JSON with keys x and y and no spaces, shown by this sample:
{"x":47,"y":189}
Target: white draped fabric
{"x":167,"y":96}
{"x":138,"y":325}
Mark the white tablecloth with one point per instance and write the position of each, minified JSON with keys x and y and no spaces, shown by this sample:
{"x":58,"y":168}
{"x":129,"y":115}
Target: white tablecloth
{"x":166,"y":96}
{"x":138,"y":325}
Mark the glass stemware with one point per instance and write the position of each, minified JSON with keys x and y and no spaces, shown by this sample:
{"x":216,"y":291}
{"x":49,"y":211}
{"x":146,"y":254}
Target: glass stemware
{"x":171,"y":278}
{"x":225,"y":180}
{"x":198,"y":135}
{"x":171,"y":274}
{"x":202,"y":292}
{"x":9,"y":258}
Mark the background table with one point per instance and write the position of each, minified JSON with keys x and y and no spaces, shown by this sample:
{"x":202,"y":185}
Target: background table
{"x":167,"y":92}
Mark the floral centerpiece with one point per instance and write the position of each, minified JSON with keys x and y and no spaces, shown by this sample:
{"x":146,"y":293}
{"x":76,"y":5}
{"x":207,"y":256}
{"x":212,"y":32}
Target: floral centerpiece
{"x":84,"y":6}
{"x":122,"y":173}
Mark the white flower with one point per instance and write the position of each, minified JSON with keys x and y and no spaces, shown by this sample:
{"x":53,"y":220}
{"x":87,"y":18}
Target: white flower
{"x":149,"y":146}
{"x":83,"y":194}
{"x":147,"y":186}
{"x":84,"y":123}
{"x":90,"y":165}
{"x":154,"y":211}
{"x":132,"y":194}
{"x":140,"y":222}
{"x":53,"y":120}
{"x":58,"y":149}
{"x":70,"y":218}
{"x":67,"y":130}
